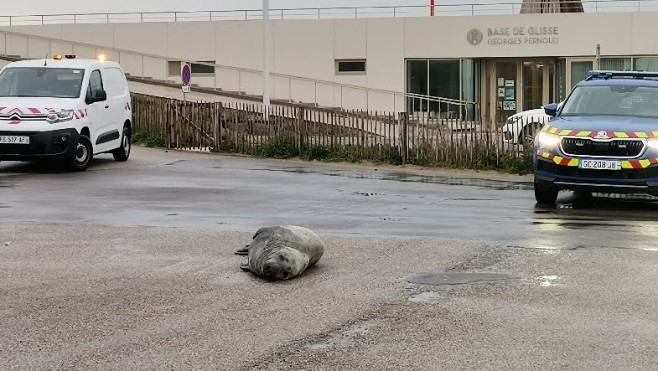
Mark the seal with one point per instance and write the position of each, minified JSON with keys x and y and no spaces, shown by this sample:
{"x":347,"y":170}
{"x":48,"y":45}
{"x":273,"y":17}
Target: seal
{"x":282,"y":252}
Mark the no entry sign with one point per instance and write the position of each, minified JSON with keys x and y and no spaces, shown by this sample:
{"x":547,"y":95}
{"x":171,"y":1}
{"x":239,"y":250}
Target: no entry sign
{"x":186,"y":73}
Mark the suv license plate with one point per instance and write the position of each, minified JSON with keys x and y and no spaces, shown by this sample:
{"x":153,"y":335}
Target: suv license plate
{"x":10,"y":139}
{"x":600,"y":164}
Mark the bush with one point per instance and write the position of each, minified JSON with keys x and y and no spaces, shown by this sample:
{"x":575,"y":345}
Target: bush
{"x":227,"y":144}
{"x":512,"y":163}
{"x":281,"y":147}
{"x":147,"y":139}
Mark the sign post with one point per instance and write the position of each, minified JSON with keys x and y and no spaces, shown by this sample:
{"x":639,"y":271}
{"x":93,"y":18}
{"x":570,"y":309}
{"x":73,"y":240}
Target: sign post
{"x":186,"y":78}
{"x":266,"y":59}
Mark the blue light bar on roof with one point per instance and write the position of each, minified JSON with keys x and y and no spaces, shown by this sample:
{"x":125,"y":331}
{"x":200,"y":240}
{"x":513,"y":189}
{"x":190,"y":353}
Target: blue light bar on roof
{"x":604,"y":74}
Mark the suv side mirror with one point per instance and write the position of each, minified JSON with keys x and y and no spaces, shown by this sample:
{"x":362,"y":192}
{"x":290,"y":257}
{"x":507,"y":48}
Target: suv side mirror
{"x":98,"y":96}
{"x":551,"y":109}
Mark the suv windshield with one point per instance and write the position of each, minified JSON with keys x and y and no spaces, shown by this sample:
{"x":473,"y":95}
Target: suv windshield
{"x":41,"y":82}
{"x":630,"y":100}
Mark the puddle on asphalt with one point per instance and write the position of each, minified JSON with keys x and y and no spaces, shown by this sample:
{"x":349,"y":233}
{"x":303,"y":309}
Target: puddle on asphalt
{"x":457,"y":278}
{"x":610,"y":211}
{"x":409,"y":178}
{"x":546,"y":281}
{"x":577,"y":225}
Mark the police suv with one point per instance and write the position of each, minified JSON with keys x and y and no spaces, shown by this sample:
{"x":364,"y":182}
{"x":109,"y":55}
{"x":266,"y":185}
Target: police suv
{"x":604,"y":137}
{"x":64,"y":108}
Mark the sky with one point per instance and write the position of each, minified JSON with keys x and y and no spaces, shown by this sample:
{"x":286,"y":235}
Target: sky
{"x":31,"y":7}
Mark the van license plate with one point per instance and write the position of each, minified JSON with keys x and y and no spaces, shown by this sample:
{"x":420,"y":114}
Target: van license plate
{"x":12,"y":139}
{"x":600,"y":164}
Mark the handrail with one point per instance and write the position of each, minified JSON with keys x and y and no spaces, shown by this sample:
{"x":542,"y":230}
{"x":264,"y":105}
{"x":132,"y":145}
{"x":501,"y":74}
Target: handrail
{"x":106,"y":49}
{"x":590,"y":6}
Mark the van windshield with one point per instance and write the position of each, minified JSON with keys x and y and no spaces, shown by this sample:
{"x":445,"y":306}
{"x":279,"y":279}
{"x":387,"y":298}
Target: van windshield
{"x":41,"y":82}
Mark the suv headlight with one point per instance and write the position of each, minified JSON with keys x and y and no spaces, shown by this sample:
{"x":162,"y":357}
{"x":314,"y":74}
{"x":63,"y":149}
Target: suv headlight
{"x":547,"y":140}
{"x":61,"y":116}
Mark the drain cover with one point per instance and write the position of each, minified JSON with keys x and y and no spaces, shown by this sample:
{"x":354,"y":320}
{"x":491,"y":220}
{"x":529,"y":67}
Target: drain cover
{"x":457,"y":278}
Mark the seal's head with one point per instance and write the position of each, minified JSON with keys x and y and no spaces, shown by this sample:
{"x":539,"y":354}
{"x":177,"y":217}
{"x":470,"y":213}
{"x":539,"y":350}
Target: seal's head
{"x":283,"y":264}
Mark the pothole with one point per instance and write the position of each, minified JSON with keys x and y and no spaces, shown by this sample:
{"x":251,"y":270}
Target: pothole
{"x":456,"y":278}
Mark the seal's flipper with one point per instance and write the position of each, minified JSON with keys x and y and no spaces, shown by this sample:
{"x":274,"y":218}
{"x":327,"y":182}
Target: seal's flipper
{"x":244,"y":251}
{"x":245,"y":267}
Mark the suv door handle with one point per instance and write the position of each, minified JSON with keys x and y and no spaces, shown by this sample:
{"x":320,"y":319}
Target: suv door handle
{"x":107,"y":106}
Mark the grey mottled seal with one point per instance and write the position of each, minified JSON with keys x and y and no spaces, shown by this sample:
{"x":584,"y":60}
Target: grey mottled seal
{"x":282,"y":252}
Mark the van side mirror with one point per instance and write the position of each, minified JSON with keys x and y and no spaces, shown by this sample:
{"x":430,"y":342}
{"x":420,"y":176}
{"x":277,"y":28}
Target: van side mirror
{"x":551,"y":109}
{"x":98,"y":96}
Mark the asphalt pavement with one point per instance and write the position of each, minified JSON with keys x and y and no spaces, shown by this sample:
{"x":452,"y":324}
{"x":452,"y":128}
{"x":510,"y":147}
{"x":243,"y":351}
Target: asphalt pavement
{"x":131,"y":266}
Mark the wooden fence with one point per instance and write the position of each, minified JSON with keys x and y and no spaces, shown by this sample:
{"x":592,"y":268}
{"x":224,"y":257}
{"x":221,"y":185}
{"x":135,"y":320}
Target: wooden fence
{"x":315,"y":133}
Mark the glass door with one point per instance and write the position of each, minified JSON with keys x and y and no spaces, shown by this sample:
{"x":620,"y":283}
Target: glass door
{"x":505,"y":87}
{"x":533,"y":85}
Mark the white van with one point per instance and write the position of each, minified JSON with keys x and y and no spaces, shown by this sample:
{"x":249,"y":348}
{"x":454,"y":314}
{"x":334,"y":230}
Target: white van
{"x":64,"y":108}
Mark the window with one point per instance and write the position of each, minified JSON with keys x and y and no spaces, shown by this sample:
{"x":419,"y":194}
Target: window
{"x":444,"y":80}
{"x":616,"y":64}
{"x":649,"y":64}
{"x":203,"y":69}
{"x":560,"y":80}
{"x":95,"y":83}
{"x":351,"y":66}
{"x":174,"y":68}
{"x":580,"y":71}
{"x":453,"y":79}
{"x":417,"y":84}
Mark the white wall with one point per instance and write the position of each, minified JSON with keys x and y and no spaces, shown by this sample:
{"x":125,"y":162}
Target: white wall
{"x":308,"y":48}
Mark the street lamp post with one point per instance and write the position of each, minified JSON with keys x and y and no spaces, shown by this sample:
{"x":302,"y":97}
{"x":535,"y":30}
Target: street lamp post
{"x":266,"y":58}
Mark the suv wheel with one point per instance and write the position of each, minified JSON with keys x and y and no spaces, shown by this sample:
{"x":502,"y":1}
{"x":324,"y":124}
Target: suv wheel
{"x":545,"y":193}
{"x":82,"y":155}
{"x":122,"y":153}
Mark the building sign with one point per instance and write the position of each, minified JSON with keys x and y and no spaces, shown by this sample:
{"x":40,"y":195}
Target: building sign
{"x":533,"y":35}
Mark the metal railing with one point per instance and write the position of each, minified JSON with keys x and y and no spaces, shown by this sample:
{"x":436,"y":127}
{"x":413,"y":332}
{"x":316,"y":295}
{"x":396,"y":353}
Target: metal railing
{"x":291,"y":88}
{"x":468,"y":9}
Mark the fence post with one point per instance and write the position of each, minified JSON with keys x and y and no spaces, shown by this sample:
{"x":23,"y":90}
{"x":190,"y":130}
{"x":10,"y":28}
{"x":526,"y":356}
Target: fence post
{"x":404,"y":136}
{"x":217,"y":118}
{"x":300,"y":128}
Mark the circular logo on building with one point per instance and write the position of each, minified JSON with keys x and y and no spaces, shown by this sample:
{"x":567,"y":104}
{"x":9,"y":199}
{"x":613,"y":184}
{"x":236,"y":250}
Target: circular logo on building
{"x":474,"y":36}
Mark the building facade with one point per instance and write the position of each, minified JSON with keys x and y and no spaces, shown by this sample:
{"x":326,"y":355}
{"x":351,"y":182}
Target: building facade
{"x":503,"y":63}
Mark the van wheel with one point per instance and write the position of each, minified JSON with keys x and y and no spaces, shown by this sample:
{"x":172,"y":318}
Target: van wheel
{"x":122,"y":153}
{"x":82,"y":155}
